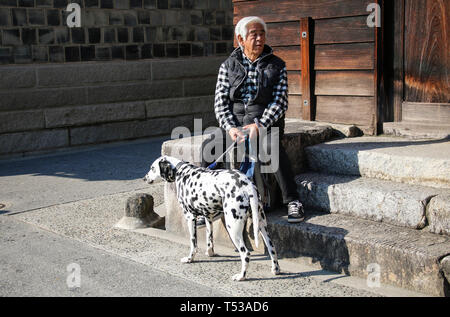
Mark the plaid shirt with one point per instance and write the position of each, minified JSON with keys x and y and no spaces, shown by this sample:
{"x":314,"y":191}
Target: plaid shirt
{"x":222,"y":104}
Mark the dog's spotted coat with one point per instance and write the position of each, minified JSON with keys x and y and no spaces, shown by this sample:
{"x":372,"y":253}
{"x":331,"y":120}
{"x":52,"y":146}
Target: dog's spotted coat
{"x":204,"y":192}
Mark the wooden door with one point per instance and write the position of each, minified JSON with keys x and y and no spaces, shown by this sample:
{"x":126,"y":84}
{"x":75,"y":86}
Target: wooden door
{"x":426,"y":61}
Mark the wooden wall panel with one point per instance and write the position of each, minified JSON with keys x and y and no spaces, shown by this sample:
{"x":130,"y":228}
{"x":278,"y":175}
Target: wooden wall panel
{"x":344,"y":56}
{"x":295,"y":107}
{"x":326,"y":31}
{"x":427,"y":47}
{"x":291,"y":55}
{"x":346,"y":110}
{"x":283,"y":34}
{"x":295,"y":82}
{"x":293,"y":10}
{"x":344,"y":83}
{"x":342,"y":30}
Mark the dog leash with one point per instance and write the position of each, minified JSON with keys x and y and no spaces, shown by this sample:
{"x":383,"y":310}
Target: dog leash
{"x":214,"y":165}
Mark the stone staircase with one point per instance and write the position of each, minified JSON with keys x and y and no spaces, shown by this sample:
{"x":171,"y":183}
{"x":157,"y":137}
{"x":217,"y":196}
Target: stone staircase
{"x":377,"y":207}
{"x":388,"y":201}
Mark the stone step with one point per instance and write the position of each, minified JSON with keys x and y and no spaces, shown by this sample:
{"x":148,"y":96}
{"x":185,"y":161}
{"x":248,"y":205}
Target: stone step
{"x":407,"y":258}
{"x":411,"y":206}
{"x":417,"y":130}
{"x":422,"y":162}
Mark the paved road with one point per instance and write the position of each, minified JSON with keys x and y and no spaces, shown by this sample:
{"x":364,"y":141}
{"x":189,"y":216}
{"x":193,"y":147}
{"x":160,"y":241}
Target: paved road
{"x":37,"y":182}
{"x":34,"y":262}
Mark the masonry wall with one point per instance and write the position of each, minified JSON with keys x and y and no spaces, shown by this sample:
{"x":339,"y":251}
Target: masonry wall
{"x":35,"y":31}
{"x":135,"y":69}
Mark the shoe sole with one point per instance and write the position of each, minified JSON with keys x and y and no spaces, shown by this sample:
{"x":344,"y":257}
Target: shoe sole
{"x":296,"y":220}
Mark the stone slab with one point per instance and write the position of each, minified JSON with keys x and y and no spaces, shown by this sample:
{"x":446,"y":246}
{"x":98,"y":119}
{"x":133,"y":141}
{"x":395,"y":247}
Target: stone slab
{"x":33,"y":141}
{"x":12,"y":77}
{"x":403,"y":257}
{"x":77,"y":74}
{"x":422,"y":162}
{"x":93,"y":114}
{"x":438,"y":214}
{"x":378,"y":200}
{"x":417,"y":130}
{"x":193,"y":67}
{"x":17,"y":121}
{"x":179,"y":106}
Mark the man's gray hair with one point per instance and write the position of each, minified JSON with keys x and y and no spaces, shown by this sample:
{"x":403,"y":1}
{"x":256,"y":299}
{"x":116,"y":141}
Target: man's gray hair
{"x":241,"y":27}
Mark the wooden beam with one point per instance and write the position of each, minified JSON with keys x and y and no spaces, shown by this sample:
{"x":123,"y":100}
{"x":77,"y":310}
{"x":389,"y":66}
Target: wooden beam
{"x":399,"y":34}
{"x":306,"y":42}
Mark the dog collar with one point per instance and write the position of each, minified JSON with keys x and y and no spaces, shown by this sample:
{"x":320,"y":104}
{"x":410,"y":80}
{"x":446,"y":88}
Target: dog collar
{"x":179,"y":165}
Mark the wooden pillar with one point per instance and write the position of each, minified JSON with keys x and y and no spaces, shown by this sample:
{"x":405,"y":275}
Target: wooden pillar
{"x":307,"y":48}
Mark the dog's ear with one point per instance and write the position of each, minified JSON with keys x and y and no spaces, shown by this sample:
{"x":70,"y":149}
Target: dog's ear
{"x":166,"y":170}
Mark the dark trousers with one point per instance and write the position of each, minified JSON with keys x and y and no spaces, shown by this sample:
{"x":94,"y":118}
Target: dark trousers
{"x":276,"y":163}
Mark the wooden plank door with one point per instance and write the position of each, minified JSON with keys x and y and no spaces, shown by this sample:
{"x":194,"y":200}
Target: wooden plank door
{"x":426,"y":61}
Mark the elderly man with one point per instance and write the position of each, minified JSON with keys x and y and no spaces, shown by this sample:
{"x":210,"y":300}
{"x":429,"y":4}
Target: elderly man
{"x":251,"y":95}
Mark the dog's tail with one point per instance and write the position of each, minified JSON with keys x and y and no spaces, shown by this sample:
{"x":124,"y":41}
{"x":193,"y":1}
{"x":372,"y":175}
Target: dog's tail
{"x":255,"y":205}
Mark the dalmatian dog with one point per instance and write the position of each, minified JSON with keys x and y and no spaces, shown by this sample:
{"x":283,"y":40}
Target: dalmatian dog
{"x":204,"y":192}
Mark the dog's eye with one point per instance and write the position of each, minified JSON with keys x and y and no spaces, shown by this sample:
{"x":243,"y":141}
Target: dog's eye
{"x":153,"y":168}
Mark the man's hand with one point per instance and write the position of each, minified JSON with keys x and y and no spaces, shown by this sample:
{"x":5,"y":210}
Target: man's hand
{"x":253,"y":130}
{"x":235,"y":133}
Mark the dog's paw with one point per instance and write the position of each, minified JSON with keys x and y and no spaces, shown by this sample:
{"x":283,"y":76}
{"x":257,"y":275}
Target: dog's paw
{"x":275,"y":270}
{"x":238,"y":277}
{"x":186,"y":260}
{"x":210,"y":252}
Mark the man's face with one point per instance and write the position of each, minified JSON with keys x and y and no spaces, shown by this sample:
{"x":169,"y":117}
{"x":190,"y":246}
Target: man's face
{"x":254,"y":43}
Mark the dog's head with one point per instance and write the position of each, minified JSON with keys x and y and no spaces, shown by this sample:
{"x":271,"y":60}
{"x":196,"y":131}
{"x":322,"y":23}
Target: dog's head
{"x":161,"y":168}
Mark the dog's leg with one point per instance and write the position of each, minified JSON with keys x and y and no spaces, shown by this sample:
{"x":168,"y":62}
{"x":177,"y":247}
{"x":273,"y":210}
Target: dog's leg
{"x":271,"y":250}
{"x":191,"y":221}
{"x":209,"y":237}
{"x":236,"y":230}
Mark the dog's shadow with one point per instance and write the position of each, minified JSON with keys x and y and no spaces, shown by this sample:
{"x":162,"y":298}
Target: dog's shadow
{"x":218,"y":258}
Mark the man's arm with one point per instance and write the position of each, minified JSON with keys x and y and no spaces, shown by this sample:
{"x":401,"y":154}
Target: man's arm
{"x":279,"y":105}
{"x":222,"y":102}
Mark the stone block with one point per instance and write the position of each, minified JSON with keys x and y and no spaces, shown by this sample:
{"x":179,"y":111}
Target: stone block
{"x":119,"y":131}
{"x":438,"y":214}
{"x":179,"y":106}
{"x":421,"y":162}
{"x":135,"y":91}
{"x":200,"y":86}
{"x":92,"y":114}
{"x":11,"y":143}
{"x":12,"y":77}
{"x":366,"y":198}
{"x":16,"y":121}
{"x":43,"y":98}
{"x":76,"y":74}
{"x":187,"y":68}
{"x":445,"y":267}
{"x":405,"y":258}
{"x":139,"y":213}
{"x":11,"y":37}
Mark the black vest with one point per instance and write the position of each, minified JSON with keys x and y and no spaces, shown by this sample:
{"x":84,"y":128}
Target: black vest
{"x":268,"y":68}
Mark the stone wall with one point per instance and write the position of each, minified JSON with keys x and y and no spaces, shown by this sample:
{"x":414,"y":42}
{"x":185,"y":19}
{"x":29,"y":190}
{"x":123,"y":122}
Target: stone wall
{"x":132,"y":69}
{"x":36,"y":31}
{"x":44,"y":107}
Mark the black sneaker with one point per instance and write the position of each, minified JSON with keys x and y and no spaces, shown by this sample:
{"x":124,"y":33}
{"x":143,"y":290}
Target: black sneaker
{"x":201,"y":221}
{"x":296,"y":213}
